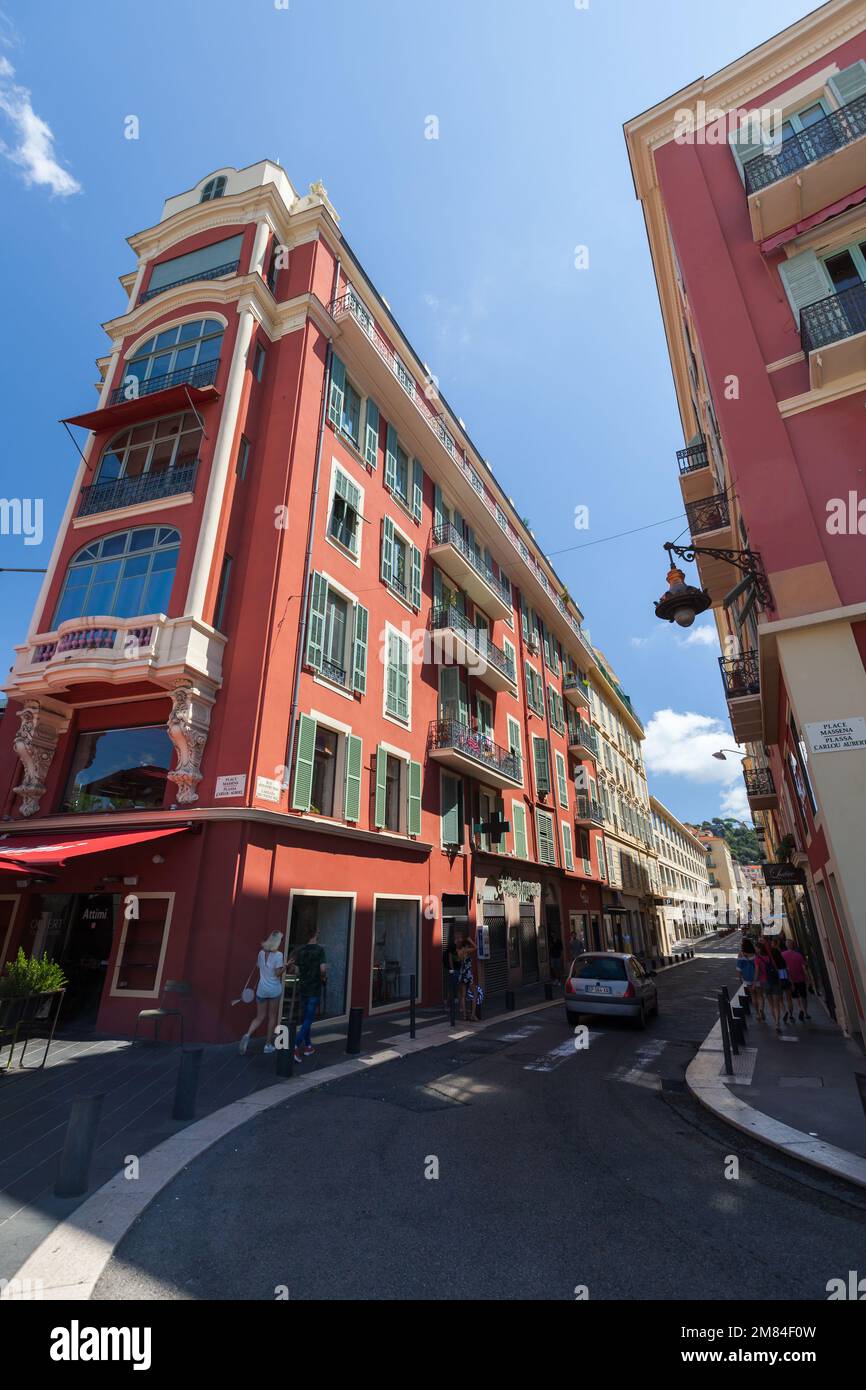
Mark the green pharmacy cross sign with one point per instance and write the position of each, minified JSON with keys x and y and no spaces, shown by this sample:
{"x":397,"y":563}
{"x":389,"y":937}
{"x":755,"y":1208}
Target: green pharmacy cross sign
{"x":495,"y":827}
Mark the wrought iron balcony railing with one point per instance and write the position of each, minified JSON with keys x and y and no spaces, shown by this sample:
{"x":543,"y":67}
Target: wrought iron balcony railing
{"x":708,"y":514}
{"x":447,"y":534}
{"x":834,"y":318}
{"x":588,"y":808}
{"x":449,"y":733}
{"x":695,"y":456}
{"x":759,"y":781}
{"x":741,"y":675}
{"x":131,"y":492}
{"x":228,"y":269}
{"x":204,"y":374}
{"x":332,"y":671}
{"x":804,"y":147}
{"x":571,"y":681}
{"x":445,"y":616}
{"x":581,"y":732}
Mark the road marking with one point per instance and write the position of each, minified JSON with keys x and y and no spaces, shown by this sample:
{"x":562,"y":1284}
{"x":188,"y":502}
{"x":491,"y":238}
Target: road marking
{"x":639,"y":1075}
{"x":519,"y":1033}
{"x":549,"y":1061}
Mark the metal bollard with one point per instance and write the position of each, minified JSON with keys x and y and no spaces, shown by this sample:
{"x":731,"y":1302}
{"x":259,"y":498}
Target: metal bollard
{"x":860,"y":1079}
{"x":187,"y":1083}
{"x":726,"y":1041}
{"x":78,"y":1146}
{"x":745,"y":1003}
{"x":724,"y":992}
{"x":286,"y":1055}
{"x":353,"y":1033}
{"x":509,"y":999}
{"x":548,"y":989}
{"x":739,"y":1025}
{"x":411,"y":1006}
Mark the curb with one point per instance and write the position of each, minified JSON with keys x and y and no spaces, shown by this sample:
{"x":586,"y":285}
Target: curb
{"x":69,"y":1262}
{"x":704,"y":1080}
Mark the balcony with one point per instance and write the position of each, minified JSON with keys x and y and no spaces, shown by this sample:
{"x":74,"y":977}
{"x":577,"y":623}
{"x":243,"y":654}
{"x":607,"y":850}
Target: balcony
{"x":173,"y":391}
{"x":711,"y":517}
{"x":833,"y":334}
{"x":742,"y":681}
{"x":810,"y":171}
{"x":102,"y":650}
{"x":139,"y":491}
{"x":575,"y":692}
{"x":587,"y":810}
{"x":760,"y":789}
{"x":230,"y":268}
{"x":582,"y":739}
{"x":454,"y":641}
{"x":697,"y":479}
{"x":468,"y":571}
{"x":469,"y":753}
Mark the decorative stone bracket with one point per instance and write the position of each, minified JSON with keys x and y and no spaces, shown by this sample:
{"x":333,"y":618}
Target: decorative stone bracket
{"x":188,"y":726}
{"x":35,"y":743}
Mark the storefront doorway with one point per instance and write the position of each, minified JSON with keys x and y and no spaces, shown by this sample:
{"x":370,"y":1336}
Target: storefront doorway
{"x":528,"y":944}
{"x":76,"y":930}
{"x":496,"y":965}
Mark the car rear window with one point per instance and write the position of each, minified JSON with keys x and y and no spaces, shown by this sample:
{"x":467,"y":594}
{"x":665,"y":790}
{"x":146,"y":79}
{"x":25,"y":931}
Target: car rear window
{"x":599,"y":968}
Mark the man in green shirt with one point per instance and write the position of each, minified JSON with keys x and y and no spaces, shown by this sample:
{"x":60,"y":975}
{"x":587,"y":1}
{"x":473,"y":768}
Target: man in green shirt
{"x":312,"y":974}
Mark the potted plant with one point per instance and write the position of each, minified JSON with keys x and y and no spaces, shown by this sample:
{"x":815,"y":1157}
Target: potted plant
{"x":785,"y":849}
{"x":27,"y":977}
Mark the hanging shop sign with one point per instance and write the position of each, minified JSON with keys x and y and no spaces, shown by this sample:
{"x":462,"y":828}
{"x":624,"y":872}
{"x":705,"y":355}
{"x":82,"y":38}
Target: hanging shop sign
{"x":782,"y":875}
{"x":837,"y":735}
{"x":523,"y":890}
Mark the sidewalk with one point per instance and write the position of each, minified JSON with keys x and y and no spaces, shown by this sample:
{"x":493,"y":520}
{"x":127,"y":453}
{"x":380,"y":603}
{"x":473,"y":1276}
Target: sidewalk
{"x":138,"y":1084}
{"x":796,"y":1091}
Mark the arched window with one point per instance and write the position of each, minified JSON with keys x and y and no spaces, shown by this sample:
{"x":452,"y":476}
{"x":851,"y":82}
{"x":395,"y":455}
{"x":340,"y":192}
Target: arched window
{"x":121,"y":575}
{"x":151,"y":448}
{"x":214,"y":188}
{"x":174,"y":349}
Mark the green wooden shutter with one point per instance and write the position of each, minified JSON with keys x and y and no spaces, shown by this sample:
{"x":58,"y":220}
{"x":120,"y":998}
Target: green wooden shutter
{"x":561,"y":780}
{"x":518,"y":823}
{"x":417,"y":490}
{"x":402,"y":709}
{"x":387,"y":550}
{"x":416,"y":577}
{"x":413,"y":819}
{"x":542,"y":766}
{"x":338,"y":392}
{"x":439,"y":517}
{"x":381,"y":787}
{"x":568,"y":853}
{"x":304,"y":758}
{"x":316,"y":620}
{"x":391,"y":458}
{"x":449,"y":705}
{"x":371,"y":433}
{"x":452,"y":829}
{"x":806,"y":280}
{"x":538,"y":687}
{"x":546,"y":842}
{"x":350,"y":493}
{"x":850,"y":83}
{"x":359,"y":649}
{"x":354,"y":763}
{"x":744,"y":148}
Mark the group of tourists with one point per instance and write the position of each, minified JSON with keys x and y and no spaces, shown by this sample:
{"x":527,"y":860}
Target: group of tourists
{"x":308,"y":961}
{"x":775,"y":974}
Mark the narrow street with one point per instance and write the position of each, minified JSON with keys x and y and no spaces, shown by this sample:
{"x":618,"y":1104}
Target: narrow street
{"x":556,"y":1168}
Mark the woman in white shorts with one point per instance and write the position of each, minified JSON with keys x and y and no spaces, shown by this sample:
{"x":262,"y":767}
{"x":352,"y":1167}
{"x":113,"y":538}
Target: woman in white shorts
{"x":269,"y":991}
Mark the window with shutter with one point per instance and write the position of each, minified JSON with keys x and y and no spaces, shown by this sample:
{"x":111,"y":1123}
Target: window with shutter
{"x":451,"y":794}
{"x":415,"y":596}
{"x":546,"y":841}
{"x":359,"y":649}
{"x":354,"y":764}
{"x":850,"y":83}
{"x":567,"y":851}
{"x":316,"y":620}
{"x":806,"y":280}
{"x":561,"y":780}
{"x":417,"y":490}
{"x":304,"y":756}
{"x":518,"y":825}
{"x":542,"y":765}
{"x":345,"y":522}
{"x":413,"y":819}
{"x":397,"y":689}
{"x":371,"y":433}
{"x":387,"y":569}
{"x":337,"y":393}
{"x":381,"y":795}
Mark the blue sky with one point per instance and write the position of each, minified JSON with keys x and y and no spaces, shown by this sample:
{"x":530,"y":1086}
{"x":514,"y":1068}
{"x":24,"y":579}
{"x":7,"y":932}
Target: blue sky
{"x":561,"y":374}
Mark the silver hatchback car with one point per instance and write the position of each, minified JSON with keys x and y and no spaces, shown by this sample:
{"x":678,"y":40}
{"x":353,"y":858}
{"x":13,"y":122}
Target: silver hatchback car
{"x":610,"y":982}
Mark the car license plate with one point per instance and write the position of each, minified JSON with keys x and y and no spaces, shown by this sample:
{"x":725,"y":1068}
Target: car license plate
{"x":599,"y":989}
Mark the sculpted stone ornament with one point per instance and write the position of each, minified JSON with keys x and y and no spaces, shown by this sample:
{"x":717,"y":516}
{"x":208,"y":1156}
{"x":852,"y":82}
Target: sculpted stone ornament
{"x":35,"y":744}
{"x":188,"y":726}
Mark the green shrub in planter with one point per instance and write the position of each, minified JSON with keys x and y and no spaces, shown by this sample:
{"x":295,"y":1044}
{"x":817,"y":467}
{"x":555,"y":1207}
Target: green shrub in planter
{"x":30,"y":975}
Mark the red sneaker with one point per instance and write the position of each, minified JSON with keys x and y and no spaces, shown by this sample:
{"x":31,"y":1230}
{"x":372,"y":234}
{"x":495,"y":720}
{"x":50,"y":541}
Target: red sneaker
{"x":308,"y":1051}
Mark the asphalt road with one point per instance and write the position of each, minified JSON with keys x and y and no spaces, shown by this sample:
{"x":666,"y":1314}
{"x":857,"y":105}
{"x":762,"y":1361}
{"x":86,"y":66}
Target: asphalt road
{"x":557,"y":1168}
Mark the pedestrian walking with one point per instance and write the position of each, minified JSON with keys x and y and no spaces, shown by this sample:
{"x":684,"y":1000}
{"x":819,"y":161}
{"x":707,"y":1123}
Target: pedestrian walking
{"x":767,"y":974}
{"x":784,"y":983}
{"x":746,"y":966}
{"x":798,"y":976}
{"x":269,"y":991}
{"x":312,"y":968}
{"x":464,"y":949}
{"x":452,"y":965}
{"x":556,"y":954}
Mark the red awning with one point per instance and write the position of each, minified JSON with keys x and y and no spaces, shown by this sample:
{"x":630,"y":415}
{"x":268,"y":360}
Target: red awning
{"x":53,"y":851}
{"x":850,"y":200}
{"x":168,"y":402}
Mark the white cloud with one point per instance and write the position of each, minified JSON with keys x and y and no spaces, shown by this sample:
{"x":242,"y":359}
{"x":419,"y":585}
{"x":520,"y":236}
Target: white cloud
{"x":682,"y":745}
{"x":33,"y":150}
{"x":640,"y":641}
{"x":705,"y":636}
